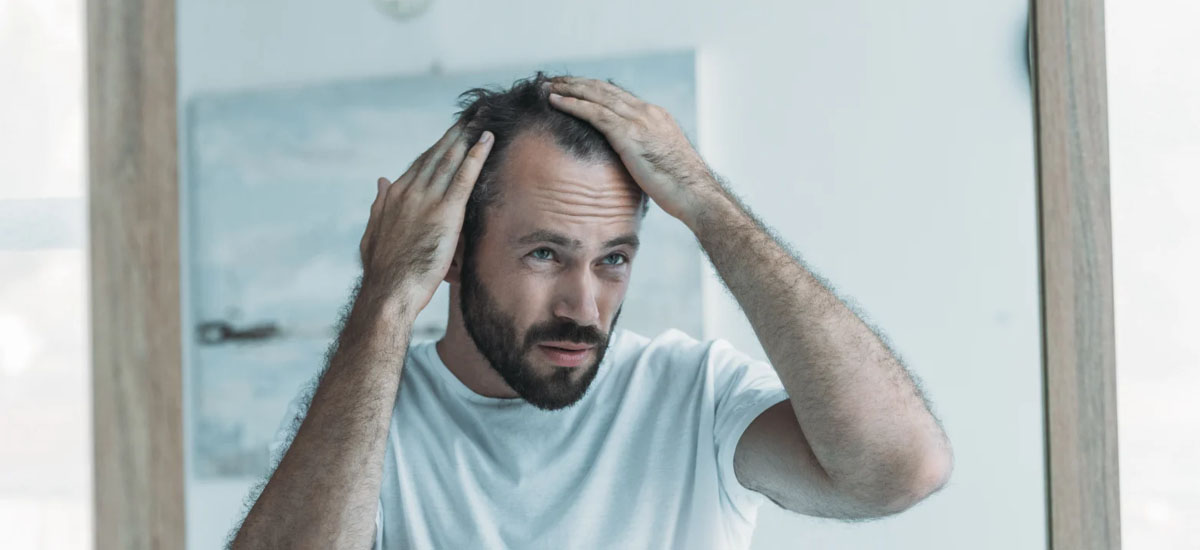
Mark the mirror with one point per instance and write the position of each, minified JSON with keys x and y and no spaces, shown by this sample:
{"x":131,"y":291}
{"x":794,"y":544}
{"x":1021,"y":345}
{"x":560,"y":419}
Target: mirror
{"x":888,"y":148}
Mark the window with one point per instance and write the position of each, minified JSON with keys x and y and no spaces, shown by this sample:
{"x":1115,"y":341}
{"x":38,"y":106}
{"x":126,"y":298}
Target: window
{"x":45,"y":395}
{"x":1154,"y":123}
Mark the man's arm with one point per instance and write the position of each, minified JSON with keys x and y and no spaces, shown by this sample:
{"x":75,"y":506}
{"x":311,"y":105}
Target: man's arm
{"x":326,"y":488}
{"x":860,"y":440}
{"x":325,"y":491}
{"x":869,"y":445}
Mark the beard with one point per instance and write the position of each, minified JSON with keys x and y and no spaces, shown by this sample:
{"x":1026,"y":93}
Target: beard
{"x":495,"y":334}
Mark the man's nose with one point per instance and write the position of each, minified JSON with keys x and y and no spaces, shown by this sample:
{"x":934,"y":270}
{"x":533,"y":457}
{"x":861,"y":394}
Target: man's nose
{"x":577,"y":298}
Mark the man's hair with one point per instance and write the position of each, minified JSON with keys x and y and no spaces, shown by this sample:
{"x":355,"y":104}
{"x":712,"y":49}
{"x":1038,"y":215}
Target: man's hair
{"x":524,"y":107}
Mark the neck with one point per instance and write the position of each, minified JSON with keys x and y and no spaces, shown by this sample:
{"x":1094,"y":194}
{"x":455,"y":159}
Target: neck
{"x":463,"y":358}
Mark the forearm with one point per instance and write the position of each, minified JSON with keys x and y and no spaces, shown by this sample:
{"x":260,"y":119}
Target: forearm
{"x":325,"y":490}
{"x":860,"y":411}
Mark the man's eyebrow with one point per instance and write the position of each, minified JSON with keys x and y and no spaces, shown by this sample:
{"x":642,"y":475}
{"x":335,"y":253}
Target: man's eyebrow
{"x":630,"y":239}
{"x":548,"y":236}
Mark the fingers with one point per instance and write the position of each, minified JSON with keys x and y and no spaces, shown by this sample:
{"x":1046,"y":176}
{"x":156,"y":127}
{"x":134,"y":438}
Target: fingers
{"x":444,"y":174}
{"x":381,"y":187}
{"x":615,"y":98}
{"x":624,"y":94}
{"x":430,"y":155}
{"x":603,"y":118}
{"x":459,"y":188}
{"x":437,"y":156}
{"x":446,"y":167}
{"x":410,"y":173}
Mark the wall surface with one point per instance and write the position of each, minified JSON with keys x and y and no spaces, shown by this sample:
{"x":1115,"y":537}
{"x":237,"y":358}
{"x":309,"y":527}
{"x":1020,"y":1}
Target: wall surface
{"x":890,"y":143}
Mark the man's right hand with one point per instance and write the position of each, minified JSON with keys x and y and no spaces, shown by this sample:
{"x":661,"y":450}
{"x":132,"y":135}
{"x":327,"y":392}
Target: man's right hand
{"x":325,"y":491}
{"x":415,"y":221}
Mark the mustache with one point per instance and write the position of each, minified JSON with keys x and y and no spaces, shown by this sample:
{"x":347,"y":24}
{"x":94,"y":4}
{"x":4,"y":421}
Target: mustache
{"x":564,"y":331}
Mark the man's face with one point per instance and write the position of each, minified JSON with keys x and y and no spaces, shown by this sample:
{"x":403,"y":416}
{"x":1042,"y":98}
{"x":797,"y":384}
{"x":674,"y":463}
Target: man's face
{"x":543,"y":288}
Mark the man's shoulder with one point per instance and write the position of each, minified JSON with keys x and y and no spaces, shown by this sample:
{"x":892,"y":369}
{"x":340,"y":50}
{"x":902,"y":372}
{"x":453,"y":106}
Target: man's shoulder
{"x":669,"y":348}
{"x":669,"y":339}
{"x":675,"y":349}
{"x":671,"y":368}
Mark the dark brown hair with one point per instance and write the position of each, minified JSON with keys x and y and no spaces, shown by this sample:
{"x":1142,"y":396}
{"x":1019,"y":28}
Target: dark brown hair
{"x":507,"y":113}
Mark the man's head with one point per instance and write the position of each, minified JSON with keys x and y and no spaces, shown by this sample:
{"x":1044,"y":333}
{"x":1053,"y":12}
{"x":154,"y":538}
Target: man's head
{"x":547,"y":244}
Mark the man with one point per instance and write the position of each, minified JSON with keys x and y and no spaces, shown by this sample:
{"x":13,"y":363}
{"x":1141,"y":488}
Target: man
{"x":534,"y":423}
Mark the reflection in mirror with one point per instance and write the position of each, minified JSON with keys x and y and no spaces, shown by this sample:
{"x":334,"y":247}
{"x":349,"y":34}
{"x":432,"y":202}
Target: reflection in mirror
{"x":692,"y":280}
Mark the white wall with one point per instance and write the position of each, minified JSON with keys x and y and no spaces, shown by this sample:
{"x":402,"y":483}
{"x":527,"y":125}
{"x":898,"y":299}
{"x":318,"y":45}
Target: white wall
{"x":890,"y":142}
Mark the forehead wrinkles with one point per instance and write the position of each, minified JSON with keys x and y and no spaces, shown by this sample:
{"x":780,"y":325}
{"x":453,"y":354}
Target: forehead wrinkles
{"x":574,"y":199}
{"x":542,"y":180}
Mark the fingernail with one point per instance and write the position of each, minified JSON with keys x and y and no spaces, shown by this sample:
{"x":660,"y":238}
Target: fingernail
{"x":485,"y":137}
{"x":555,"y":96}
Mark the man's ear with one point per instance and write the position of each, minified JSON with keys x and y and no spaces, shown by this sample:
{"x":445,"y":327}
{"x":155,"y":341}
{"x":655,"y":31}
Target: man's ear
{"x":453,"y":274}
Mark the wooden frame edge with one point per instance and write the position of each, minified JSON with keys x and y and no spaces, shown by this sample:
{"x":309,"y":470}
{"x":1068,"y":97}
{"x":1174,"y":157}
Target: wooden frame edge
{"x":1079,"y":352}
{"x":138,"y":473}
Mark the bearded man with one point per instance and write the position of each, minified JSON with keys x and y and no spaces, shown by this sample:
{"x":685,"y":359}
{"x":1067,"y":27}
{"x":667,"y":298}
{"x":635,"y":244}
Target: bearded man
{"x":535,"y":422}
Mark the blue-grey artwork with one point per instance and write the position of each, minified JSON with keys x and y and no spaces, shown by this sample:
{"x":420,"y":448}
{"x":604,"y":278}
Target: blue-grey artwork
{"x":279,"y":187}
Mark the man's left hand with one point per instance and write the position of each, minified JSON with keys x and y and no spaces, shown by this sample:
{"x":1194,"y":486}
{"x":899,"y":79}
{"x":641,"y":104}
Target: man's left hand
{"x":650,"y":143}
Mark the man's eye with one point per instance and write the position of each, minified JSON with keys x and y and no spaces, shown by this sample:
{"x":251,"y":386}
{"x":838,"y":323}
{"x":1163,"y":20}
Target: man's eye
{"x":617,"y":258}
{"x":542,"y":254}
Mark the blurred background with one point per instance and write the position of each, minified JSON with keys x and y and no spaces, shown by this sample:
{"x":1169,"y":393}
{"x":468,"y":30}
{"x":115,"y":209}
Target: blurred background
{"x":890,"y":143}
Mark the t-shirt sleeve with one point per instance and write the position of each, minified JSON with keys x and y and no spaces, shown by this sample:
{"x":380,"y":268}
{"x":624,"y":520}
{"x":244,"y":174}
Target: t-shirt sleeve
{"x":744,"y":387}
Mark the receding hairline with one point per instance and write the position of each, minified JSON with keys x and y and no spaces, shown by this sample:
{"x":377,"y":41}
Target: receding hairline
{"x":532,"y":132}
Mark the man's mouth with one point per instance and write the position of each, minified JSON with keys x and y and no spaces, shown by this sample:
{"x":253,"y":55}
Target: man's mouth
{"x":568,"y":346}
{"x":566,"y":354}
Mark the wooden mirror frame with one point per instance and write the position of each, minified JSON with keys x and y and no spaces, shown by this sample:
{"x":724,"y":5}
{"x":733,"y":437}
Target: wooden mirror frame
{"x":135,"y":295}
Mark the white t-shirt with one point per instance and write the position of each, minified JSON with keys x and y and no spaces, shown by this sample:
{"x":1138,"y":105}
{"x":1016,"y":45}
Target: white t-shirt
{"x":643,"y":460}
